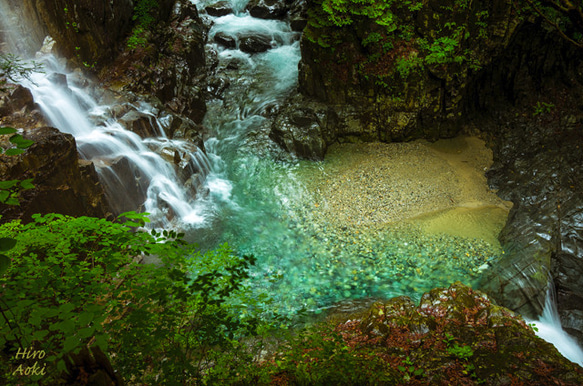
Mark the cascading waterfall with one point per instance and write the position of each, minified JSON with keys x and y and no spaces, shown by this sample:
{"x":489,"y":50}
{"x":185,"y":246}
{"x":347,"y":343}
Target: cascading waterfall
{"x":137,"y":173}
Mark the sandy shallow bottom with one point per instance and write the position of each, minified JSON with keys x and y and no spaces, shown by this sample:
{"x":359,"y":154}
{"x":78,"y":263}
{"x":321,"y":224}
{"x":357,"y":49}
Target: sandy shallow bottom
{"x":439,"y":187}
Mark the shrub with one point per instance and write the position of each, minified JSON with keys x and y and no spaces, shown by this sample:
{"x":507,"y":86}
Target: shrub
{"x":79,"y":282}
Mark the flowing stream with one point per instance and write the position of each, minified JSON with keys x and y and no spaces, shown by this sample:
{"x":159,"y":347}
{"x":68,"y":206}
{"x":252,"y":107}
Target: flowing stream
{"x":272,"y":207}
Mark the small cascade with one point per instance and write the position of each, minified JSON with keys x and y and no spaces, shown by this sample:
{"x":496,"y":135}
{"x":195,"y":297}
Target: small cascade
{"x":149,"y":173}
{"x":550,"y":329}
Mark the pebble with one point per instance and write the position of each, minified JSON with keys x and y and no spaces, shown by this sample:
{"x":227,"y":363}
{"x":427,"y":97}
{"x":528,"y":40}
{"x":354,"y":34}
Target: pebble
{"x":353,"y":227}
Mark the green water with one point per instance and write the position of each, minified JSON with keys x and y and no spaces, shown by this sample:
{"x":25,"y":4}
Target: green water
{"x":264,"y":203}
{"x":305,"y":261}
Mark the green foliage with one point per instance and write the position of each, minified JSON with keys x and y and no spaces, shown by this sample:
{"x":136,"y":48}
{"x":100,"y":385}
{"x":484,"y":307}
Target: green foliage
{"x":533,"y":326}
{"x":9,"y":190}
{"x":143,"y":18}
{"x":321,"y":357}
{"x":13,"y":68}
{"x":19,"y":144}
{"x":409,"y":370}
{"x":461,"y":352}
{"x":542,"y":108}
{"x":76,"y":282}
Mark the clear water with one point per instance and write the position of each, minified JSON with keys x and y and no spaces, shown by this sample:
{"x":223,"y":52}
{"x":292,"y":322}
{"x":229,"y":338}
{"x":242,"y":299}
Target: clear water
{"x":262,"y":204}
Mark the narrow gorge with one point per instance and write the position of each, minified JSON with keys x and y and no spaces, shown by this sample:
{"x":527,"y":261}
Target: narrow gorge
{"x":365,"y":160}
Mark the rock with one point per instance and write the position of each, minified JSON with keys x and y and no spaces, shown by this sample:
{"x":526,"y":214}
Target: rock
{"x":302,"y":128}
{"x":18,"y":99}
{"x":225,"y":40}
{"x":173,"y":67}
{"x":267,"y":9}
{"x":390,"y":103}
{"x":537,"y":165}
{"x":454,"y":333}
{"x":126,"y":188}
{"x":298,"y":17}
{"x":63,"y":184}
{"x":59,"y":79}
{"x":298,"y":24}
{"x":220,"y":8}
{"x":89,"y":31}
{"x":140,"y":123}
{"x":91,"y":367}
{"x":300,"y":135}
{"x":255,"y":43}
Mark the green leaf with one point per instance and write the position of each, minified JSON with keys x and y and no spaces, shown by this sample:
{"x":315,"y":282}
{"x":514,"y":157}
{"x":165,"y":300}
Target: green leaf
{"x":66,"y":308}
{"x":4,"y":263}
{"x":101,"y":342}
{"x":14,"y":151}
{"x":39,"y":335}
{"x":86,"y":318}
{"x":7,"y":130}
{"x":70,"y":343}
{"x":12,"y":201}
{"x":7,"y":243}
{"x":4,"y":194}
{"x":8,"y":184}
{"x":27,"y":184}
{"x":16,"y":138}
{"x":67,"y":327}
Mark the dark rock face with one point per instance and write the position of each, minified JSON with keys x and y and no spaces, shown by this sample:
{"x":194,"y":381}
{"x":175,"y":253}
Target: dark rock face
{"x":19,"y":98}
{"x":63,"y":183}
{"x":172,"y":67}
{"x":255,"y":43}
{"x":221,"y":8}
{"x":140,"y":123}
{"x":303,"y":127}
{"x":298,"y":17}
{"x":267,"y":9}
{"x":393,"y":105}
{"x":225,"y":40}
{"x":536,"y":128}
{"x":85,"y":30}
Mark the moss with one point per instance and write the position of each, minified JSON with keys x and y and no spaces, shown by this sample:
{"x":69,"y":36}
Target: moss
{"x":456,"y":336}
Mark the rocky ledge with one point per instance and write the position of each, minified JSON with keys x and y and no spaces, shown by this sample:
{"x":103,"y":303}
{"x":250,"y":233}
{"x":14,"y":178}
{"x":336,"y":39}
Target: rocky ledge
{"x":456,"y":336}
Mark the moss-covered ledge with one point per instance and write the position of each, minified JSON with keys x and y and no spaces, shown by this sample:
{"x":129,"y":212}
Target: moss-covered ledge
{"x":456,"y":336}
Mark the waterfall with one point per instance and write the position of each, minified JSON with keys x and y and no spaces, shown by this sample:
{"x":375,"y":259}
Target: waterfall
{"x":548,"y":327}
{"x":149,"y":172}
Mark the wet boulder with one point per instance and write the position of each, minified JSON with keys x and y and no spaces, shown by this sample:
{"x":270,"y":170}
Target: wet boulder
{"x":267,"y":9}
{"x":220,"y":8}
{"x":126,"y":187}
{"x":254,"y":43}
{"x":63,"y":183}
{"x":225,"y":40}
{"x":303,"y":128}
{"x":140,"y":123}
{"x":18,"y":98}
